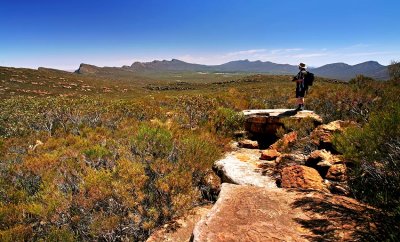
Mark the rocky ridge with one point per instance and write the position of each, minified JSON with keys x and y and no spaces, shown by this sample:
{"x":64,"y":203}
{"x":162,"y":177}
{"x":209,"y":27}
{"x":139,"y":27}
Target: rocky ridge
{"x":268,"y":195}
{"x":339,"y":71}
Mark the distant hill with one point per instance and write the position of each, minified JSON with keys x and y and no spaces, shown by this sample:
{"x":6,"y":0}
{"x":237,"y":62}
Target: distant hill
{"x":344,"y":71}
{"x":173,"y":65}
{"x":48,"y":82}
{"x":339,"y":71}
{"x":256,"y":66}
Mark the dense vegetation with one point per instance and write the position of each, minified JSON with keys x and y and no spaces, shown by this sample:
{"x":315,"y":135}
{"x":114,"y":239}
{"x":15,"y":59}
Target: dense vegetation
{"x":374,"y":148}
{"x":107,"y":167}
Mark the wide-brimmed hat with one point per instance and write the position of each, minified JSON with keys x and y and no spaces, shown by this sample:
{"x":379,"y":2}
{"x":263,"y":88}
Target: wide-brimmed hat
{"x":302,"y":65}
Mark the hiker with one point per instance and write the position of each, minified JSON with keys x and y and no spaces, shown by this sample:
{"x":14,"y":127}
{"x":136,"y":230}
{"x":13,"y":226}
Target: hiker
{"x":301,"y":87}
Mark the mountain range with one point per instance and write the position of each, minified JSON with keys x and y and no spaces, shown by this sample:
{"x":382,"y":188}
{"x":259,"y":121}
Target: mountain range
{"x":340,"y":71}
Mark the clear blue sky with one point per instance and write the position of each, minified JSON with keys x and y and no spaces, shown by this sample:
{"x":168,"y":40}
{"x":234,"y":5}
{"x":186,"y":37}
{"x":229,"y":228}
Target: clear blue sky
{"x":63,"y":34}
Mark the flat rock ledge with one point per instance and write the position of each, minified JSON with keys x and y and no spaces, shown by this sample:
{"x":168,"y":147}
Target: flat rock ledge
{"x":262,"y":124}
{"x":280,"y":113}
{"x":180,"y":229}
{"x":242,"y":167}
{"x":249,"y":213}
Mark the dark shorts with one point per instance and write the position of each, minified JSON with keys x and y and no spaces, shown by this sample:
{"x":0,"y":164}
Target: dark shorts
{"x":300,"y":89}
{"x":300,"y":92}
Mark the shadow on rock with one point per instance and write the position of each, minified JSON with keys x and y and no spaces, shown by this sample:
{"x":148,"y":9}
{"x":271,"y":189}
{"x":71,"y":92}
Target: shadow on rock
{"x":288,"y":113}
{"x":338,"y":218}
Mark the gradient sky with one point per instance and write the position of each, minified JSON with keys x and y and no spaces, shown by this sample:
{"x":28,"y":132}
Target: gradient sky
{"x":63,"y":34}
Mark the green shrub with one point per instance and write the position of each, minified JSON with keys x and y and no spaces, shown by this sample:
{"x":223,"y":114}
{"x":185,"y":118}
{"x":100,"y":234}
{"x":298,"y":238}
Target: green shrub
{"x":303,"y":127}
{"x":104,"y":172}
{"x":375,"y":150}
{"x":226,"y":121}
{"x":97,"y":152}
{"x":62,"y":234}
{"x":394,"y":70}
{"x":197,"y":154}
{"x":152,"y":141}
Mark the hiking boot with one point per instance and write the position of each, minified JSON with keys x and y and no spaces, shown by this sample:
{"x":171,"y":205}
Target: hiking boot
{"x":300,"y":107}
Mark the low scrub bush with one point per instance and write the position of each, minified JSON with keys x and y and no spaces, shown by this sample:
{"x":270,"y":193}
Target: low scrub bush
{"x":105,"y":169}
{"x":375,"y":150}
{"x":102,"y":184}
{"x":226,"y":121}
{"x":394,"y":70}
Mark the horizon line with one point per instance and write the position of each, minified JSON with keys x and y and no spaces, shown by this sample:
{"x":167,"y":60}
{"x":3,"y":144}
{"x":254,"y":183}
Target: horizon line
{"x":172,"y":59}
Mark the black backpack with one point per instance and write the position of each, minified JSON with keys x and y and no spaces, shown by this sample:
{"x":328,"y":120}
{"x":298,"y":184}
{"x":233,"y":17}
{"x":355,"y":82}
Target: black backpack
{"x":309,"y":79}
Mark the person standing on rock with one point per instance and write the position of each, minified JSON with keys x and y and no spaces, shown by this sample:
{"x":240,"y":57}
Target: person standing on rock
{"x":301,"y":88}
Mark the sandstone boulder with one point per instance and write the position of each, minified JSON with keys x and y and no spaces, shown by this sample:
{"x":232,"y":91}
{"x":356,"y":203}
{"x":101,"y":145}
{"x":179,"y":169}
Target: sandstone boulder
{"x":302,"y":177}
{"x":212,"y":186}
{"x":284,"y":142}
{"x":270,"y":154}
{"x":322,"y":160}
{"x":286,"y":160}
{"x":249,"y":144}
{"x":337,"y":172}
{"x":322,"y":136}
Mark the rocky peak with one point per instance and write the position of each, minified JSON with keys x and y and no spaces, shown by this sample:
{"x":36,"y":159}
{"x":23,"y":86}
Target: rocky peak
{"x":87,"y":69}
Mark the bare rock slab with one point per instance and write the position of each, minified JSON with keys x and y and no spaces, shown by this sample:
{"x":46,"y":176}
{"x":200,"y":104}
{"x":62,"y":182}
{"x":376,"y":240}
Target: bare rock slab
{"x":248,"y":213}
{"x":242,"y":167}
{"x":180,"y":230}
{"x":272,"y":116}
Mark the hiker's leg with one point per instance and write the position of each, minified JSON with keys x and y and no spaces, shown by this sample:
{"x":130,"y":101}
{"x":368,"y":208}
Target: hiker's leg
{"x":300,"y":100}
{"x":302,"y":104}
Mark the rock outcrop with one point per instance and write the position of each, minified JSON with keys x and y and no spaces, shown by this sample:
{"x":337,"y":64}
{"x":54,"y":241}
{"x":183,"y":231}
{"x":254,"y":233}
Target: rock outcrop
{"x":251,"y":207}
{"x":322,"y":160}
{"x":242,"y":167}
{"x":248,"y":213}
{"x":284,"y":142}
{"x":337,"y":172}
{"x":180,"y":229}
{"x":87,"y":69}
{"x":249,"y":144}
{"x":301,"y":177}
{"x":322,"y":136}
{"x":262,"y":124}
{"x":270,"y":154}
